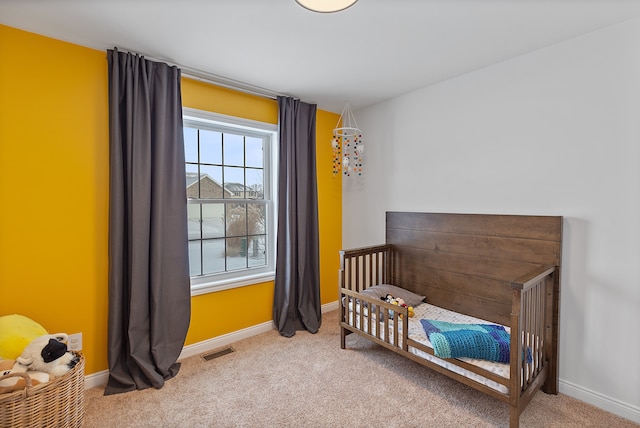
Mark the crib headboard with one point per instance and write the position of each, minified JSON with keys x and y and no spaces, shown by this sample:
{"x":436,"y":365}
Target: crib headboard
{"x":466,"y":262}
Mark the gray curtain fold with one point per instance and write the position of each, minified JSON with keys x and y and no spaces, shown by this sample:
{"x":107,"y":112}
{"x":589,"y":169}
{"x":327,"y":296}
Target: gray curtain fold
{"x":296,"y":303}
{"x":149,"y":288}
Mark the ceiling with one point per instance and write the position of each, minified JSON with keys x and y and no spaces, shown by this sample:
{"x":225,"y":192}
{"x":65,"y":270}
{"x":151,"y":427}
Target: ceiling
{"x":372,"y":51}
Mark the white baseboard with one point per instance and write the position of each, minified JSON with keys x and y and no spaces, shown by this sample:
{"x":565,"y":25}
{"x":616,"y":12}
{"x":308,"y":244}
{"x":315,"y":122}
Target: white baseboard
{"x":601,"y":401}
{"x":98,"y":379}
{"x":328,"y":307}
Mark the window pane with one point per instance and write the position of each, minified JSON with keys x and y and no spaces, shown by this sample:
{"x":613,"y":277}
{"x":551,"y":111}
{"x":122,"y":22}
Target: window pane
{"x":257,"y":251}
{"x":193,"y":187}
{"x":190,"y":144}
{"x":253,"y":152}
{"x":236,"y":219}
{"x":210,"y":182}
{"x":210,"y":147}
{"x":257,"y":219}
{"x":193,"y":215}
{"x":236,"y":253}
{"x":194,"y":258}
{"x":234,"y":182}
{"x":213,"y":221}
{"x":255,"y":183}
{"x":213,"y":256}
{"x":233,"y":149}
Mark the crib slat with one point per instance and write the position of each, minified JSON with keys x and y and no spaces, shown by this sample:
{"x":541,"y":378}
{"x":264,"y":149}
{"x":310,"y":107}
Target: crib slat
{"x":386,"y":325}
{"x":396,"y":322}
{"x":375,"y":277}
{"x":525,"y":329}
{"x":354,"y":312}
{"x":368,"y":264}
{"x":529,"y":332}
{"x":523,"y":335}
{"x":532,"y":332}
{"x":538,"y":308}
{"x":540,"y":329}
{"x":543,"y":323}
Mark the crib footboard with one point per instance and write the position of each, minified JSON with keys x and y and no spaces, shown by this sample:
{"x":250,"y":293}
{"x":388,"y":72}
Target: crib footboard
{"x":381,"y":322}
{"x":533,"y":341}
{"x":361,"y":268}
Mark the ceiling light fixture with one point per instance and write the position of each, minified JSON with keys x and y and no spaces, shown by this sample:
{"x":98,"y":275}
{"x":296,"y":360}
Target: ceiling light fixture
{"x":326,"y":6}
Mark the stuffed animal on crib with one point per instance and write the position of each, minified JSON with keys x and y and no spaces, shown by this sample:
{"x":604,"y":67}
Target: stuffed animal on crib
{"x":397,"y":301}
{"x":16,"y":383}
{"x":48,"y":353}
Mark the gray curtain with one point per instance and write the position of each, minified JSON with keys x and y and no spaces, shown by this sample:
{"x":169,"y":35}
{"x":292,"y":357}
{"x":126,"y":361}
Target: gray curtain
{"x":296,"y":304}
{"x":149,"y":289}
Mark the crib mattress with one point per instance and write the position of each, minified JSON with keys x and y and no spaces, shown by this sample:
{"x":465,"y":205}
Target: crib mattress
{"x":417,"y":333}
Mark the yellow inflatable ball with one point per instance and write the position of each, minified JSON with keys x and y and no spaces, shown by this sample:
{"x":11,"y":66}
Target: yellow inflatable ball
{"x":16,"y":332}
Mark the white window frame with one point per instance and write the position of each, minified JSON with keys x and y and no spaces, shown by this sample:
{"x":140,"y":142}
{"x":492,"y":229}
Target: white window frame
{"x":227,"y":280}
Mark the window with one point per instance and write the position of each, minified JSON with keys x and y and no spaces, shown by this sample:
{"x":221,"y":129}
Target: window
{"x":230,"y":182}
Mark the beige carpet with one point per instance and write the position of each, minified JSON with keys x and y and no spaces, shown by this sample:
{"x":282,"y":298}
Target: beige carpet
{"x":308,"y":381}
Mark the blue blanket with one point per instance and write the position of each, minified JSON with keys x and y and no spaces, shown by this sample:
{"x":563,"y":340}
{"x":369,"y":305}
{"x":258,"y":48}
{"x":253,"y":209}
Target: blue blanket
{"x":482,"y":341}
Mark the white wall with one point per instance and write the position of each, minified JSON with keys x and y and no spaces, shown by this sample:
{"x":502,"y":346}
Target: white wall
{"x":554,"y":132}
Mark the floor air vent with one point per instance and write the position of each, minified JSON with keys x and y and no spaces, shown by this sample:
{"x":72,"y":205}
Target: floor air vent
{"x":216,"y":354}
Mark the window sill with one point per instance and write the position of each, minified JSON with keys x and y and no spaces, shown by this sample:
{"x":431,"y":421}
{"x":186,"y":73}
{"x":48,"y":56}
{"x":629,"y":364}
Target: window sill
{"x":227,"y":284}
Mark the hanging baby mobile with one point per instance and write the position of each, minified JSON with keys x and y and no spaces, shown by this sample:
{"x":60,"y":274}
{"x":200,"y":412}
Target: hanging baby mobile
{"x":347,"y":145}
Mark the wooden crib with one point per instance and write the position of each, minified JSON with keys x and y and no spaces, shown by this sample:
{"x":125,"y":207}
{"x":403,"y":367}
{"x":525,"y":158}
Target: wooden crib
{"x":504,"y":269}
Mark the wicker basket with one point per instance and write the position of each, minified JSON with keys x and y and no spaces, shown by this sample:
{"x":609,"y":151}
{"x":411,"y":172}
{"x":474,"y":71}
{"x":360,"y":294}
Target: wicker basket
{"x":59,"y":403}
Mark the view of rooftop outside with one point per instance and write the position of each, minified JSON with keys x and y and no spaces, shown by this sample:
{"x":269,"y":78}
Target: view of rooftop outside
{"x":226,"y":208}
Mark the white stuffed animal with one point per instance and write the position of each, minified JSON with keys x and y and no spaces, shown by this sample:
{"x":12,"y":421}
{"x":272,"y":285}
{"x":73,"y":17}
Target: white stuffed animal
{"x":49,"y":354}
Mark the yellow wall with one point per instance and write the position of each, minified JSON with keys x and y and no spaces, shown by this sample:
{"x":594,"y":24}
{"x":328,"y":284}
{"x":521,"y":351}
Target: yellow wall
{"x":54,"y":187}
{"x":54,"y":194}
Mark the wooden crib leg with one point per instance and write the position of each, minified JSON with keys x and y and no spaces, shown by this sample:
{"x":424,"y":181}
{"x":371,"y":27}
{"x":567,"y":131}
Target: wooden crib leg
{"x":514,"y":417}
{"x":343,"y":335}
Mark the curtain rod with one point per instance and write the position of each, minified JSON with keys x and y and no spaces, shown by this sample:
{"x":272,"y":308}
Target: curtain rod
{"x":203,"y":76}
